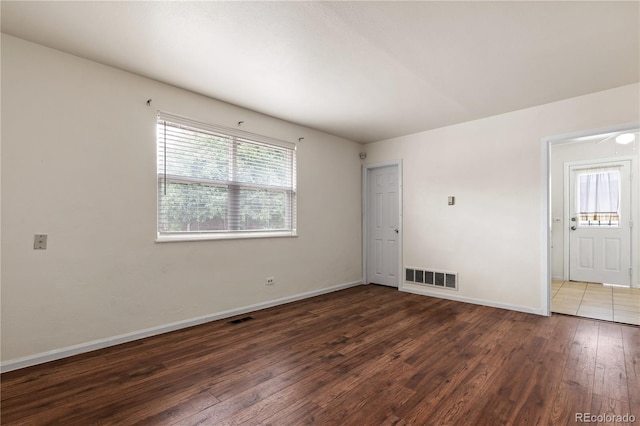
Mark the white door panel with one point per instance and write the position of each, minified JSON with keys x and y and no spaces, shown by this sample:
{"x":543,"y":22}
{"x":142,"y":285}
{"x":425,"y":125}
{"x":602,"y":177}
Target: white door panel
{"x":585,"y":253}
{"x":600,"y":250}
{"x":612,"y":255}
{"x":382,"y":227}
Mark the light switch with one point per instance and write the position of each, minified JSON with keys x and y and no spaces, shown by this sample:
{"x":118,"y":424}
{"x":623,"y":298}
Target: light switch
{"x":452,"y":200}
{"x":40,"y":242}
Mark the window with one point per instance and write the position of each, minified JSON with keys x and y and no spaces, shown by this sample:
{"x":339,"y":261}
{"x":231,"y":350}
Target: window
{"x":215,"y":182}
{"x":599,"y":198}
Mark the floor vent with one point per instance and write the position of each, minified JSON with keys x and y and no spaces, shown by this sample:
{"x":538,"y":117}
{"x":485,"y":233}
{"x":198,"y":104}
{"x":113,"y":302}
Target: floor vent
{"x":239,"y":320}
{"x":440,"y":279}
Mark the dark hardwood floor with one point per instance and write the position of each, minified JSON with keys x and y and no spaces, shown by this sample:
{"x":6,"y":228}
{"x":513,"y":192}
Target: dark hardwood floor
{"x":368,"y":355}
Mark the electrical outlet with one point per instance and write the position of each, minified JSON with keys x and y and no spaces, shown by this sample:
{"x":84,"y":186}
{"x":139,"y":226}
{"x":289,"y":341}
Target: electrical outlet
{"x":40,"y":242}
{"x":270,"y":281}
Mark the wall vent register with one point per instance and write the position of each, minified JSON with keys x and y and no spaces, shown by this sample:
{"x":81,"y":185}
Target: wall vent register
{"x":448,"y":280}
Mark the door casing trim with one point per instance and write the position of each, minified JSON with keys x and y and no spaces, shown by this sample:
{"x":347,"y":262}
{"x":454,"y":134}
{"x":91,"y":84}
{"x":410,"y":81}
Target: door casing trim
{"x":566,"y":207}
{"x":366,"y":168}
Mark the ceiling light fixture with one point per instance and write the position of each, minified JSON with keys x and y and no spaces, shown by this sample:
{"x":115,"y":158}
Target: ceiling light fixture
{"x":625,"y":138}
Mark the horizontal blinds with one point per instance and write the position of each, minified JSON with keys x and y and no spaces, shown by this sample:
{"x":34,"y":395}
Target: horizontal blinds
{"x":212,"y":180}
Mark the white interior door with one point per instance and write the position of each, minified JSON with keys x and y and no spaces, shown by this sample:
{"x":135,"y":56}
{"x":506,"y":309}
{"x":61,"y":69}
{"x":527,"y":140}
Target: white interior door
{"x":600,"y":223}
{"x":383,"y":217}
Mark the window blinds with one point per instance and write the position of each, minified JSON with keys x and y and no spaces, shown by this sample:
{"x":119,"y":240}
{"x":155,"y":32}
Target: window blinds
{"x":215,"y":180}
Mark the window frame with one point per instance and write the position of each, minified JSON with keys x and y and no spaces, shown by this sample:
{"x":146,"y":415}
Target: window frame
{"x":235,"y":136}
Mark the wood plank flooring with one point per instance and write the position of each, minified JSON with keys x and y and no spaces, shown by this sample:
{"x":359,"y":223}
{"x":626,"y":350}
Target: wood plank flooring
{"x":368,"y":355}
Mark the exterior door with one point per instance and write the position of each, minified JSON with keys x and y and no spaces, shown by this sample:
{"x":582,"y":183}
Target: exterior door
{"x":600,"y":223}
{"x":383,"y":198}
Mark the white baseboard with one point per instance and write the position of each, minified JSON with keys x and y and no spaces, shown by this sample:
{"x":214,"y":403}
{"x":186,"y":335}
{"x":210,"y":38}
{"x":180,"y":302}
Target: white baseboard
{"x":482,"y":302}
{"x":15,"y":364}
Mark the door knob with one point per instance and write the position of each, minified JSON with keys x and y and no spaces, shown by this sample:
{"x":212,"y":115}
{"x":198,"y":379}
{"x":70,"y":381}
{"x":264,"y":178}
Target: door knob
{"x":573,"y":228}
{"x":396,"y":230}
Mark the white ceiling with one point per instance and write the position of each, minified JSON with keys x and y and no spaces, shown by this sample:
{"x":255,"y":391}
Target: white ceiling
{"x":365,"y":71}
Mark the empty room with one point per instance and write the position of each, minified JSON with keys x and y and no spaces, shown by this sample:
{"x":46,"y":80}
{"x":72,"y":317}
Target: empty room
{"x":334,"y":213}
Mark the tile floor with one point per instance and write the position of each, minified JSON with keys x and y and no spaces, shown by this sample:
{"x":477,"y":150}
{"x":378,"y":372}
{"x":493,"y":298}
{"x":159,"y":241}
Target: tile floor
{"x":597,"y":301}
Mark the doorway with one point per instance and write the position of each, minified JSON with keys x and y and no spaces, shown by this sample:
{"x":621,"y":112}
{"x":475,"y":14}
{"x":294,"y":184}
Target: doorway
{"x":593,"y":246}
{"x":382,"y":245}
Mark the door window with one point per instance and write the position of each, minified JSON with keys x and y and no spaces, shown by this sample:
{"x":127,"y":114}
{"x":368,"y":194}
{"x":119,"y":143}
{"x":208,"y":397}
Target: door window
{"x":598,"y":195}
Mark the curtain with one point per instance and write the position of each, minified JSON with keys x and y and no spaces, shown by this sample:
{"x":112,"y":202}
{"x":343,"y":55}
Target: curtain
{"x":599,"y":194}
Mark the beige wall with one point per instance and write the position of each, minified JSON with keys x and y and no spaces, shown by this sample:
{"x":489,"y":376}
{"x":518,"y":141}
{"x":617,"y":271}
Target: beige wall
{"x":494,"y":235}
{"x":78,"y":164}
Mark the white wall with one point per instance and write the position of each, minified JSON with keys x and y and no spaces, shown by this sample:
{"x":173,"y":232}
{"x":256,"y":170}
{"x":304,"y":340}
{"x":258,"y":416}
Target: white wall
{"x":493,"y":236}
{"x":579,"y":151}
{"x":78,"y":164}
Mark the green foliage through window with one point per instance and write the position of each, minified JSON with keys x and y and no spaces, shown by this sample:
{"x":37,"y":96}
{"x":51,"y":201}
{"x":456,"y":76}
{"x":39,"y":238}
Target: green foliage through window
{"x":212,"y":181}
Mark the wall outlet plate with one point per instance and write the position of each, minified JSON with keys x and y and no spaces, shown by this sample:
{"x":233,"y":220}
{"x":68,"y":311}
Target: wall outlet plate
{"x":270,"y":281}
{"x":40,"y":242}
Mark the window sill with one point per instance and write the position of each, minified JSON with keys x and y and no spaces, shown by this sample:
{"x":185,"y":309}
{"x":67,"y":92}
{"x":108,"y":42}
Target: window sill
{"x":226,"y":236}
